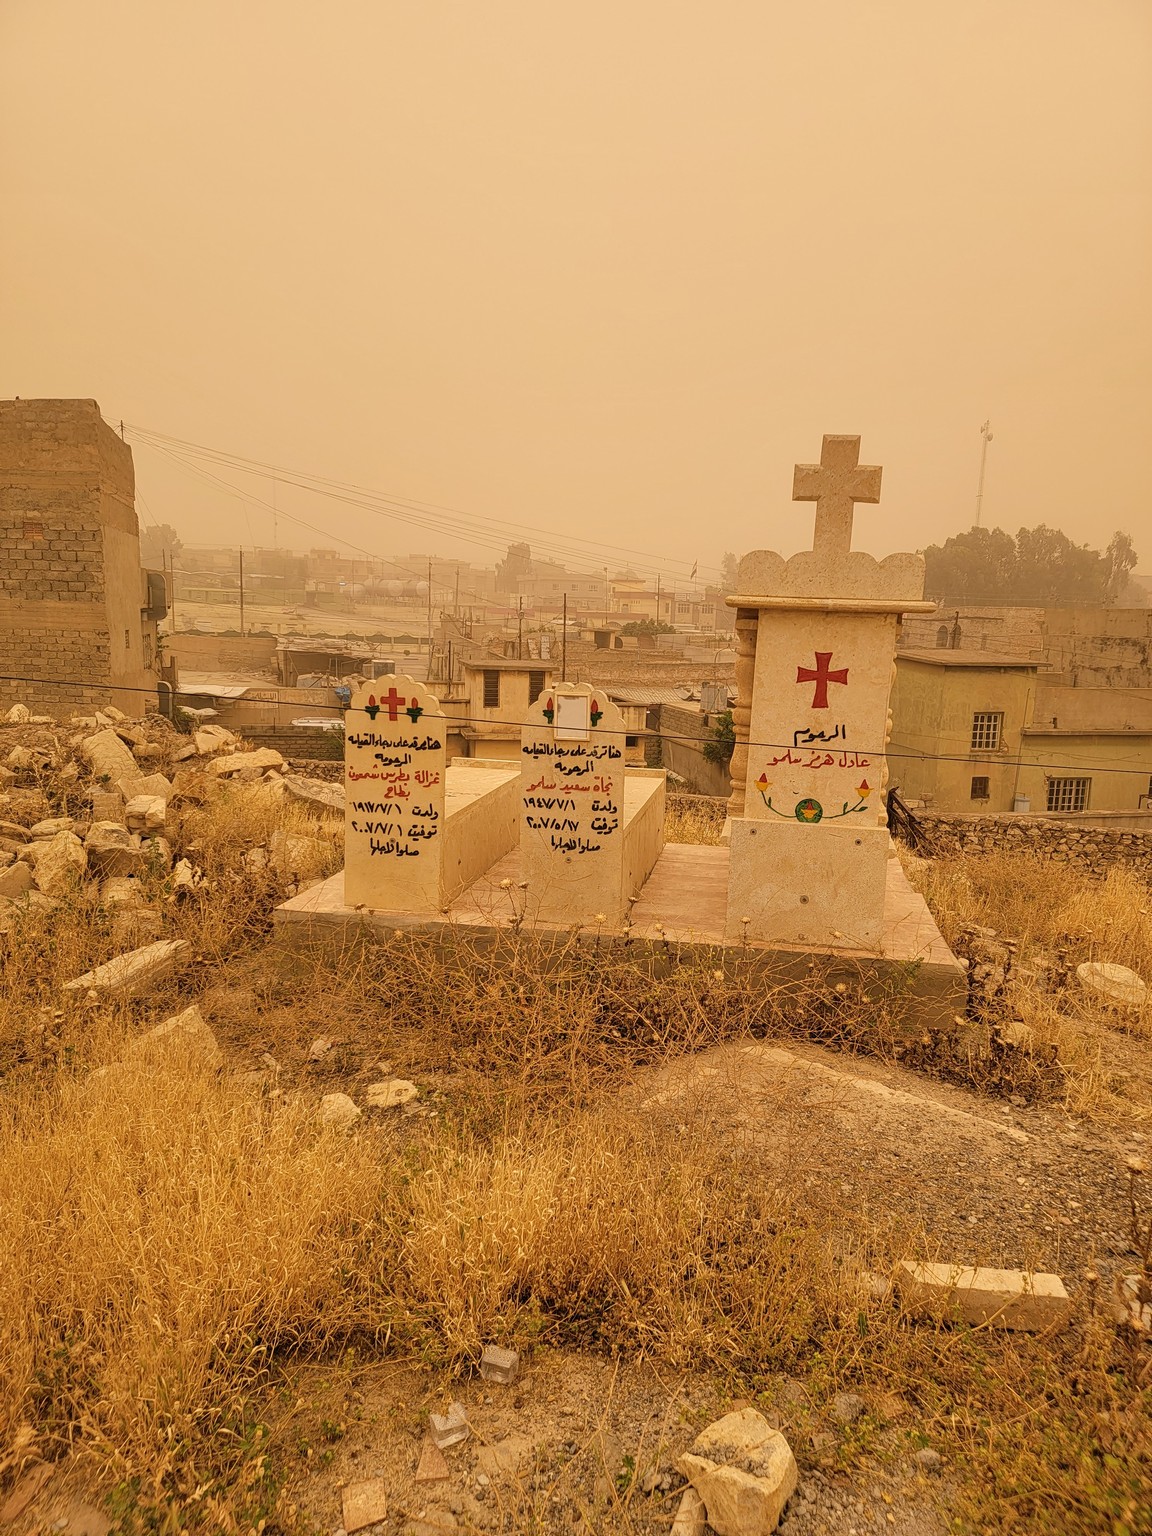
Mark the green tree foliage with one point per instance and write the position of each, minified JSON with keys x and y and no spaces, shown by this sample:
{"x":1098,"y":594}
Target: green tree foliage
{"x":723,"y":743}
{"x":647,"y":627}
{"x":1039,"y":566}
{"x":728,"y":569}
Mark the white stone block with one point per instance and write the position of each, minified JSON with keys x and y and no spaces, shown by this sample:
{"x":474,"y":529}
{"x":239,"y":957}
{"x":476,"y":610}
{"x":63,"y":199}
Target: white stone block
{"x":744,"y":1471}
{"x":1003,"y":1298}
{"x":59,"y":863}
{"x":183,"y":1037}
{"x":807,"y":885}
{"x":134,"y":972}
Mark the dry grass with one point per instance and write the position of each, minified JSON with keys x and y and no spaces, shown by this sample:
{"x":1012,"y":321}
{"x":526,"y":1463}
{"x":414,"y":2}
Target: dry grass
{"x":694,"y":819}
{"x":173,"y":1239}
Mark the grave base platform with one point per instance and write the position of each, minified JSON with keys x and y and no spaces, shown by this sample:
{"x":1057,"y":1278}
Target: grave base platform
{"x":683,"y":906}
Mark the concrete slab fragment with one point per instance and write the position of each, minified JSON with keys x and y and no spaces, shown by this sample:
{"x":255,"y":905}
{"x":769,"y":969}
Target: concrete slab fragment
{"x":1002,"y":1298}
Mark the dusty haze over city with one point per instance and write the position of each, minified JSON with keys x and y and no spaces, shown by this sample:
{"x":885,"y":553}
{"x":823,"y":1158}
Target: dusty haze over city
{"x":604,"y":270}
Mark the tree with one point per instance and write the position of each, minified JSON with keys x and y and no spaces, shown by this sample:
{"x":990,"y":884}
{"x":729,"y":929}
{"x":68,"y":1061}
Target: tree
{"x":647,"y":627}
{"x":729,"y":567}
{"x":1039,"y":566}
{"x":723,"y":742}
{"x":158,"y":544}
{"x":515,"y":564}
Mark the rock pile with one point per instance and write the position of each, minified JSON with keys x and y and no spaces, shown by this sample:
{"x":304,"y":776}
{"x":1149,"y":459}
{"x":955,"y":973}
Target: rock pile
{"x":86,"y":801}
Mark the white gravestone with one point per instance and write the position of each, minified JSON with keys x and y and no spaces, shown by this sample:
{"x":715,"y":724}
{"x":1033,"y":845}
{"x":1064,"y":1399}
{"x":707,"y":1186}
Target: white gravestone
{"x":816,"y":658}
{"x":395,"y":769}
{"x":572,"y":807}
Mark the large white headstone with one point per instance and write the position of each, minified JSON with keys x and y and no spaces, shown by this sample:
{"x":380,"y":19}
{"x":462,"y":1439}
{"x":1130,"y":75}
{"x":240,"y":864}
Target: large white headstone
{"x":816,"y":638}
{"x":573,"y":811}
{"x":395,"y":768}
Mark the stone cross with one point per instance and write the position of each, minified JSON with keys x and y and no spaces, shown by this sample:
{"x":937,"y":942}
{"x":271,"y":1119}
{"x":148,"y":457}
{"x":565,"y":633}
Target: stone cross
{"x":834,"y":485}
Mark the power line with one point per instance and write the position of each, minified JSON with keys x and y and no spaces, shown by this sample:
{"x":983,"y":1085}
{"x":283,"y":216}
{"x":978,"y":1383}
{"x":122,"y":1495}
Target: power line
{"x":429,"y":515}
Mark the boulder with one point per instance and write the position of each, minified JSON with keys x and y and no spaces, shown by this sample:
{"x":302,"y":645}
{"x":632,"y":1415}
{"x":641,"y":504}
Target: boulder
{"x":744,"y":1471}
{"x":19,"y":760}
{"x":338,"y":1110}
{"x":107,"y":805}
{"x":113,"y":850}
{"x":316,"y":792}
{"x":109,"y":758}
{"x":53,"y":825}
{"x":291,"y":854}
{"x":390,"y":1094}
{"x":15,"y":881}
{"x":1115,"y":982}
{"x":60,"y":863}
{"x":244,"y":762}
{"x":154,"y":784}
{"x":185,"y":1037}
{"x":121,"y":891}
{"x":19,"y":714}
{"x":212,"y":738}
{"x":14,"y":832}
{"x":145,"y":813}
{"x":133,"y":972}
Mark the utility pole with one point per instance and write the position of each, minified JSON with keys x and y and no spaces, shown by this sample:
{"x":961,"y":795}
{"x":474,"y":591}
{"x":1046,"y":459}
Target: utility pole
{"x":564,"y":644}
{"x":169,"y":570}
{"x":275,"y":534}
{"x":986,"y":437}
{"x":456,"y":600}
{"x":241,"y":589}
{"x":429,"y":616}
{"x":606,"y":599}
{"x":520,"y":627}
{"x":657,"y":600}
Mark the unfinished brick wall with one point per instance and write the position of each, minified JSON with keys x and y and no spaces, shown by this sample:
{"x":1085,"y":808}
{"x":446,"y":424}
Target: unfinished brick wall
{"x":1093,"y":849}
{"x":70,"y":580}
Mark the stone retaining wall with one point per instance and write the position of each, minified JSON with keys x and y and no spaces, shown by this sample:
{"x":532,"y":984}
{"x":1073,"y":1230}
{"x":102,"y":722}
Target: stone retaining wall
{"x":1092,"y":848}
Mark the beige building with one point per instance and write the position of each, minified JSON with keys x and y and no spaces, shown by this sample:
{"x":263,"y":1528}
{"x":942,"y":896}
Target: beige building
{"x":977,"y":731}
{"x":491,"y":703}
{"x":77,"y":612}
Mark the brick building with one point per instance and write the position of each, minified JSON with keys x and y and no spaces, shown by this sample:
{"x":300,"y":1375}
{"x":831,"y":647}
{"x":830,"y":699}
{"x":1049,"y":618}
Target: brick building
{"x":76,"y":610}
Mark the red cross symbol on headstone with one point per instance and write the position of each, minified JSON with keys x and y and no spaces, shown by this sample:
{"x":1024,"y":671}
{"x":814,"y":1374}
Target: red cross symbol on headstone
{"x":821,"y":677}
{"x":394,"y":702}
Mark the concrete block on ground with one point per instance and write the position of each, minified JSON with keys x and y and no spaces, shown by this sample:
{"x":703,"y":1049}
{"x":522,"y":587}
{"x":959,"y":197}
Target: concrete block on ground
{"x":316,"y":792}
{"x":155,"y":784}
{"x":212,"y":738}
{"x":107,"y":804}
{"x":449,"y":1428}
{"x":390,"y":1093}
{"x":1004,"y":1298}
{"x":134,"y":972}
{"x":499,"y":1365}
{"x":689,"y":1519}
{"x":744,"y":1471}
{"x":15,"y":881}
{"x":1115,"y":982}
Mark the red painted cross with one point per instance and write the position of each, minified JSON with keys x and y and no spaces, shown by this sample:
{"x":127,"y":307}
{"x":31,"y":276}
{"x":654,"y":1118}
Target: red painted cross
{"x":394,"y":702}
{"x":821,"y":677}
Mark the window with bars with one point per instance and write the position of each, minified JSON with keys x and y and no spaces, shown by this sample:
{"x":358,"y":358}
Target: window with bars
{"x":491,"y":688}
{"x":1068,"y":794}
{"x":535,"y":686}
{"x":986,"y":726}
{"x":980,"y":786}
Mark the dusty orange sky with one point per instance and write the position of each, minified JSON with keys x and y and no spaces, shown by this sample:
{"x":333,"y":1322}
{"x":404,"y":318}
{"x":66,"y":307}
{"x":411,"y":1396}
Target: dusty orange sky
{"x":608,"y":269}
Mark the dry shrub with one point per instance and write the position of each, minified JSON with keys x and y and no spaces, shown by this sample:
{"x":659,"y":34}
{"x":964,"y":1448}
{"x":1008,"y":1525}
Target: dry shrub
{"x":164,"y":1233}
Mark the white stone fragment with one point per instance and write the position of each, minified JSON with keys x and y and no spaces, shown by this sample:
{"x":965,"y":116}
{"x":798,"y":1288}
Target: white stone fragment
{"x":112,"y":849}
{"x":390,"y":1094}
{"x":689,"y":1519}
{"x":18,"y":715}
{"x":240,"y":762}
{"x":337,"y":1110}
{"x":1115,"y":982}
{"x":184,"y":1036}
{"x":744,"y":1471}
{"x":499,"y":1365}
{"x":59,"y":862}
{"x":131,"y":973}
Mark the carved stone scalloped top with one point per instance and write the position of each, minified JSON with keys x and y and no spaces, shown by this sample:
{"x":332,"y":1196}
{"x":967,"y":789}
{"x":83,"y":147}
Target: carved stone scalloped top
{"x":831,"y":568}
